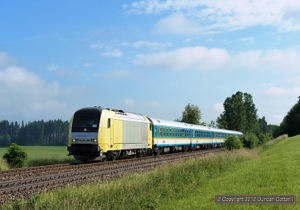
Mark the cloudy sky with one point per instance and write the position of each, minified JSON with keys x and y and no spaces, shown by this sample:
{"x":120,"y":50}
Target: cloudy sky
{"x":151,"y":57}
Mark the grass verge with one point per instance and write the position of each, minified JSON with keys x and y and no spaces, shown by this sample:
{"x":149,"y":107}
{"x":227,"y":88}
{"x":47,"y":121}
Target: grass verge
{"x":41,"y":155}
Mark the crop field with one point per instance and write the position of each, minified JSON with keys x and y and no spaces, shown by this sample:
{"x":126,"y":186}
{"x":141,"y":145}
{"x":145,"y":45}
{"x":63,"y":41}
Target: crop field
{"x":268,"y":170}
{"x":41,"y":155}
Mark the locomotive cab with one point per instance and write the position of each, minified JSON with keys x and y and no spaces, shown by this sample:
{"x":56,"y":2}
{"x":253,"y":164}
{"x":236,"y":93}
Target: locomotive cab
{"x":83,"y":135}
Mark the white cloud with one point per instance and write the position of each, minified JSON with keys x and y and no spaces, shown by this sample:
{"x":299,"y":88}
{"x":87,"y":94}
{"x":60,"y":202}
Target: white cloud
{"x":201,"y":58}
{"x":5,"y":59}
{"x":107,"y":50}
{"x":116,"y":53}
{"x":276,"y":59}
{"x":17,"y":77}
{"x":156,"y":45}
{"x":25,"y":95}
{"x":225,"y":15}
{"x":177,"y":24}
{"x":189,"y":58}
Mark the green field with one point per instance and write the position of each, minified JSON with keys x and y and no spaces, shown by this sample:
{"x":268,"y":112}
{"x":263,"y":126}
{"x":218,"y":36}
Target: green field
{"x":268,"y":170}
{"x":41,"y":155}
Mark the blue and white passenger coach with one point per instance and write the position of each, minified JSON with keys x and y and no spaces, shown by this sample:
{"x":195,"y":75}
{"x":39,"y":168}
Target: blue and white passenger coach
{"x":172,"y":135}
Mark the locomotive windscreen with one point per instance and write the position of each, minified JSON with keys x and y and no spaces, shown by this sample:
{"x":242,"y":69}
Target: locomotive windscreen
{"x":86,"y":120}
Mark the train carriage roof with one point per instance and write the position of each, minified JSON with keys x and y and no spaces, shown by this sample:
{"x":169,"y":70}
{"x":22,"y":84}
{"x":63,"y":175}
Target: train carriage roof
{"x":159,"y":122}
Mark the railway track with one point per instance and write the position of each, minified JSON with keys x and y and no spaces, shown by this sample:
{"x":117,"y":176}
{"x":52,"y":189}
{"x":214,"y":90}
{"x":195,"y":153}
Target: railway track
{"x":21,"y":183}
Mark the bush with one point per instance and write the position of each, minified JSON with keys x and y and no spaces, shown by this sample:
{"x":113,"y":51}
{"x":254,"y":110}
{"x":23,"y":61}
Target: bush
{"x":233,"y":142}
{"x":15,"y":156}
{"x":263,"y":138}
{"x":250,"y":141}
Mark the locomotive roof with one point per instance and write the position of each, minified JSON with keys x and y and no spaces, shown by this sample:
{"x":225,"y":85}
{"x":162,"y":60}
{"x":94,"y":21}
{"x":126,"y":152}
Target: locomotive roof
{"x":120,"y":114}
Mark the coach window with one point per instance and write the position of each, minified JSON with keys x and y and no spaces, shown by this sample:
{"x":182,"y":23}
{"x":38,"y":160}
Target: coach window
{"x":160,"y":131}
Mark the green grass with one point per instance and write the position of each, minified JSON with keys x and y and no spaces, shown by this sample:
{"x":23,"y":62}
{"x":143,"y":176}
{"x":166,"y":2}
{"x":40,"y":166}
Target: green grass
{"x":268,"y":170}
{"x":275,"y":172}
{"x":41,"y":155}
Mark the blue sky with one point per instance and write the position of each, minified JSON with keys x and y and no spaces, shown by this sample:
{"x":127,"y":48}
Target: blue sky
{"x":150,"y":57}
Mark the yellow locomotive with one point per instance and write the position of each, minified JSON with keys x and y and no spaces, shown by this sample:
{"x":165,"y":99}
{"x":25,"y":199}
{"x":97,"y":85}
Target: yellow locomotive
{"x":108,"y":133}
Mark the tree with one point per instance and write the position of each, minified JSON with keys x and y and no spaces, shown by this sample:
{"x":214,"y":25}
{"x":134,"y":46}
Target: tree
{"x":239,"y":113}
{"x":15,"y":156}
{"x":191,"y":114}
{"x":263,"y":125}
{"x":291,"y":122}
{"x":251,"y":114}
{"x":212,"y":124}
{"x":4,"y":140}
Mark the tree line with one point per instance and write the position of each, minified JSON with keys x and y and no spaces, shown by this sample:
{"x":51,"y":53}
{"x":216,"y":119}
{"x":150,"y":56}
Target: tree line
{"x":240,"y":114}
{"x":52,"y":132}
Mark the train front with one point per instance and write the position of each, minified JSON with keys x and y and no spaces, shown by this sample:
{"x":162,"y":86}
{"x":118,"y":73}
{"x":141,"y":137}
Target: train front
{"x":83,"y":134}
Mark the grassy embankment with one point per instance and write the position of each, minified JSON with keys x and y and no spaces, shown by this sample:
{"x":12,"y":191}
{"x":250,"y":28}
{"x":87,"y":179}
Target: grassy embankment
{"x":41,"y":155}
{"x":268,"y":170}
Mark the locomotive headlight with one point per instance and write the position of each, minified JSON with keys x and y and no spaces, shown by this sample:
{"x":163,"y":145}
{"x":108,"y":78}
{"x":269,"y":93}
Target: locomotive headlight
{"x":73,"y":140}
{"x":94,"y":140}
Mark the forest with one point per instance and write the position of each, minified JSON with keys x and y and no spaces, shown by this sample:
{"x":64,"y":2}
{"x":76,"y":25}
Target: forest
{"x":52,"y":132}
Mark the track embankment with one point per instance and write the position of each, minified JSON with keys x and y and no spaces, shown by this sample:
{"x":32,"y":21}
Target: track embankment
{"x":21,"y":183}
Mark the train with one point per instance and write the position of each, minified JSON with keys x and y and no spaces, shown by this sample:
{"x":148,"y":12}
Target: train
{"x":108,"y":134}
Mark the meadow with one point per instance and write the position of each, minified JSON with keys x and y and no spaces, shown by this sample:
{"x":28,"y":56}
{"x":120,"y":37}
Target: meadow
{"x":41,"y":155}
{"x":268,"y":170}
